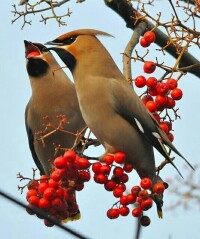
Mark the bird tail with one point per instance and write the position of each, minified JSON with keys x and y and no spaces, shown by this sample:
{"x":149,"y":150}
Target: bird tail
{"x":168,"y":143}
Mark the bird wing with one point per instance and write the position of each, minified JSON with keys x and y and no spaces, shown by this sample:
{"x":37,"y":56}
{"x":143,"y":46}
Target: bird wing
{"x":131,"y":108}
{"x":31,"y":143}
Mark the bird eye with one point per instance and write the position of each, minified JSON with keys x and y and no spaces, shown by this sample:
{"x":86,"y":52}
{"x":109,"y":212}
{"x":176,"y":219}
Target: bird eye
{"x":69,"y":40}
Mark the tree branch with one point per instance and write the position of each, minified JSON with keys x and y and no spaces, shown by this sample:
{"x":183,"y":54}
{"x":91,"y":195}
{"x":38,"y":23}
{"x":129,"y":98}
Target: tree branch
{"x":127,"y":12}
{"x":138,"y":229}
{"x":139,"y":30}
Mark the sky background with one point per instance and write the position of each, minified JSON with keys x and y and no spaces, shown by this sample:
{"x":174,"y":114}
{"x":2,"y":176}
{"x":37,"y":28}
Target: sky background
{"x":93,"y":200}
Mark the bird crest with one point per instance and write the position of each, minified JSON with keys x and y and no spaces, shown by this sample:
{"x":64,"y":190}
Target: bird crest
{"x":91,"y":32}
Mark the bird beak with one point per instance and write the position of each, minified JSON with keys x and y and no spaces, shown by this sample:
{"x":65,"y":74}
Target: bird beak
{"x":31,"y":49}
{"x":53,"y":43}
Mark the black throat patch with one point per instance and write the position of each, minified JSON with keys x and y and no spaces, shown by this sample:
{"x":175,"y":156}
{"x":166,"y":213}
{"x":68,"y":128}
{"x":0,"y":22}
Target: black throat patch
{"x":37,"y":67}
{"x":66,"y":57}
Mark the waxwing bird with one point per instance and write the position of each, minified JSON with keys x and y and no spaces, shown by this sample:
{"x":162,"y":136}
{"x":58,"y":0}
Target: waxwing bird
{"x":109,"y":105}
{"x":53,"y":94}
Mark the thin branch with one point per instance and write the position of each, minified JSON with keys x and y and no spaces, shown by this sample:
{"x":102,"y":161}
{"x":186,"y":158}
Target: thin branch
{"x":43,"y":215}
{"x":139,"y":30}
{"x":138,"y":229}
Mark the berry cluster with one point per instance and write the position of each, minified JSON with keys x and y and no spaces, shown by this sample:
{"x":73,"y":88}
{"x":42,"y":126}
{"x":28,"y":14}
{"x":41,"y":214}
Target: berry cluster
{"x":141,"y":197}
{"x":116,"y":183}
{"x":160,"y":94}
{"x":55,"y":194}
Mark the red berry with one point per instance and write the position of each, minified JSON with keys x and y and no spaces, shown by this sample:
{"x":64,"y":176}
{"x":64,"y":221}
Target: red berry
{"x":139,"y":200}
{"x":159,"y":188}
{"x":152,"y":82}
{"x":78,"y":186}
{"x":105,"y":169}
{"x":60,"y":162}
{"x":84,"y":176}
{"x":44,"y":203}
{"x":124,"y":211}
{"x":123,"y":200}
{"x":152,"y":91}
{"x":121,"y":186}
{"x":130,"y":198}
{"x":146,"y":183}
{"x":140,"y":81}
{"x":143,"y":194}
{"x":110,"y":185}
{"x":145,"y":221}
{"x":49,"y":193}
{"x":53,"y":183}
{"x":149,"y":36}
{"x":151,"y":106}
{"x":137,"y":212}
{"x":149,"y":67}
{"x":82,"y":163}
{"x":72,"y":174}
{"x":60,"y":192}
{"x":70,"y":155}
{"x":44,"y":178}
{"x":161,"y":99}
{"x":33,"y":200}
{"x":176,"y":94}
{"x":170,"y":103}
{"x":96,"y":167}
{"x":143,"y":42}
{"x":118,"y":172}
{"x":172,"y":83}
{"x":119,"y":157}
{"x":48,"y":223}
{"x":171,"y":137}
{"x":162,"y":88}
{"x":124,"y":178}
{"x":128,"y":167}
{"x":58,"y":174}
{"x":146,"y":204}
{"x":146,"y":98}
{"x":164,"y":127}
{"x":113,"y":213}
{"x":42,"y":187}
{"x":100,"y":178}
{"x":57,"y":203}
{"x":108,"y":159}
{"x":117,"y":192}
{"x":31,"y":192}
{"x":135,"y":190}
{"x":160,"y":107}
